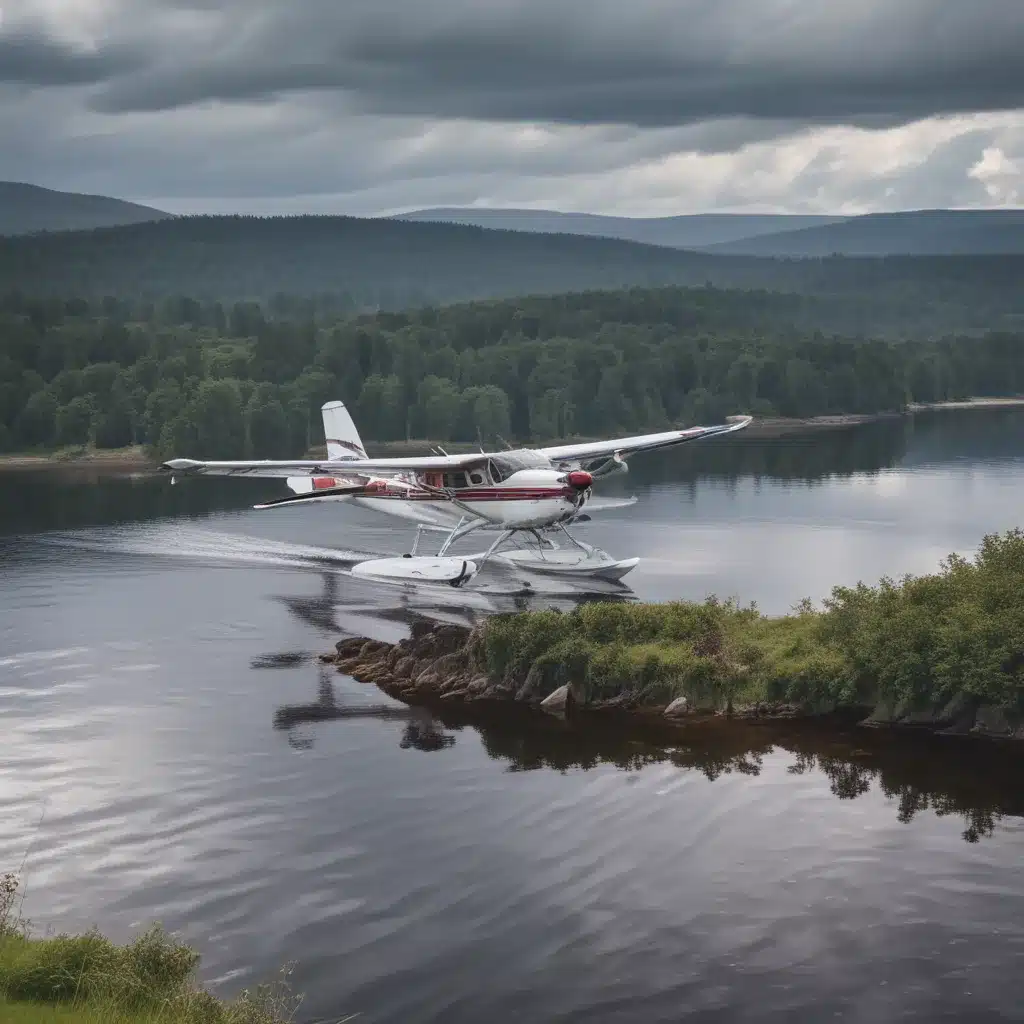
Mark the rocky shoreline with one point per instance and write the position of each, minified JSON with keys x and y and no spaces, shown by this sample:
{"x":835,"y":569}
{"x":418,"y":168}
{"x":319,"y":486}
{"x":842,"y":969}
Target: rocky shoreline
{"x":440,"y":663}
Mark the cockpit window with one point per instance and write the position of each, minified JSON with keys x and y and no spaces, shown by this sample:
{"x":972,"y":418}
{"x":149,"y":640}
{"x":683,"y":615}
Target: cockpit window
{"x":507,"y":463}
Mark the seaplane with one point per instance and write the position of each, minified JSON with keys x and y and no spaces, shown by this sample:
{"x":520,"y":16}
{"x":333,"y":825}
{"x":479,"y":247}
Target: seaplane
{"x":529,"y":497}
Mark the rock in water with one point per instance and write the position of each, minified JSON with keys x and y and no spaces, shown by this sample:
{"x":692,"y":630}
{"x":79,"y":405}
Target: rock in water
{"x":558,"y":702}
{"x":992,"y":721}
{"x":883,"y":714}
{"x":679,"y":707}
{"x":958,"y":715}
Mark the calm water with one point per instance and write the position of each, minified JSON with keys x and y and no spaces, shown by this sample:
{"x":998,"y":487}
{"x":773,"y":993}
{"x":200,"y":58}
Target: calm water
{"x":171,"y":751}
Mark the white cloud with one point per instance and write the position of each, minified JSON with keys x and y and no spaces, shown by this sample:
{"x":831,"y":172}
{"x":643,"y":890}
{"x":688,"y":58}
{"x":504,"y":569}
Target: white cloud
{"x":841,"y":170}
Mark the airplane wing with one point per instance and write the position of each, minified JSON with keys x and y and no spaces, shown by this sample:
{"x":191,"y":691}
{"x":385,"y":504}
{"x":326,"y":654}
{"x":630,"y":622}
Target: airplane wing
{"x":347,"y":468}
{"x":355,"y":468}
{"x":624,"y":446}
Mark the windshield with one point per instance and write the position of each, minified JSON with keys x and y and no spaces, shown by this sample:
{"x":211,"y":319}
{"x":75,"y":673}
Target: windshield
{"x":507,"y":463}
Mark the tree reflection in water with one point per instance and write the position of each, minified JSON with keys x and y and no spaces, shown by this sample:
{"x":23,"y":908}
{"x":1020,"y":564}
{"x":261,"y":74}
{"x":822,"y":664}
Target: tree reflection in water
{"x":981,"y":781}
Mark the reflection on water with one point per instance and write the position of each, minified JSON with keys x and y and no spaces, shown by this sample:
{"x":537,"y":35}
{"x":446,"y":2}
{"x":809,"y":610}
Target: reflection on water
{"x":978,"y":780}
{"x":60,"y":500}
{"x":173,"y":750}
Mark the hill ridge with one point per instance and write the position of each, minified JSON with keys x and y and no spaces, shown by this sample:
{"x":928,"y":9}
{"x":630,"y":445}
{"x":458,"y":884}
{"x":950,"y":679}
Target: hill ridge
{"x":28,"y":209}
{"x":923,"y":232}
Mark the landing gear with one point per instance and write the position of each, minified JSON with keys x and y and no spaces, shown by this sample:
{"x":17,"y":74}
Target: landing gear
{"x":533,"y":550}
{"x":538,"y":552}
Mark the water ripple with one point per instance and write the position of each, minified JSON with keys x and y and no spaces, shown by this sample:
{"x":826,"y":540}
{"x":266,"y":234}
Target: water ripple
{"x":424,"y":868}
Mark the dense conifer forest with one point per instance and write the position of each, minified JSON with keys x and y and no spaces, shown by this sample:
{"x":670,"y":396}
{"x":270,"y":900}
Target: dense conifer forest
{"x":223,"y":379}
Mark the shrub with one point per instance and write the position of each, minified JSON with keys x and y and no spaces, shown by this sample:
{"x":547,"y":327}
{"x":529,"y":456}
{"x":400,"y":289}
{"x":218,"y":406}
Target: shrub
{"x":152,"y":978}
{"x":918,"y":641}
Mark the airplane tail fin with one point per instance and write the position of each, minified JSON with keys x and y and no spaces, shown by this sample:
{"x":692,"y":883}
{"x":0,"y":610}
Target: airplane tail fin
{"x":343,"y":440}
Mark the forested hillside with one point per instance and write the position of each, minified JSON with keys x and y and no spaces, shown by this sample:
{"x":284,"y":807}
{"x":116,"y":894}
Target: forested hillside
{"x":693,"y":231}
{"x":354,"y":265}
{"x":914,"y":232}
{"x":207,"y":379}
{"x":360,"y":263}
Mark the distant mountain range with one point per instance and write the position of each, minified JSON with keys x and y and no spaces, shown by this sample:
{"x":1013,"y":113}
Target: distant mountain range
{"x":911,"y":233}
{"x":25,"y":209}
{"x":366,"y":264}
{"x":28,"y":209}
{"x":690,"y":232}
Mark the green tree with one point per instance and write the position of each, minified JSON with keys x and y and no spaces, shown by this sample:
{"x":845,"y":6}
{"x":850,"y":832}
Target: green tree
{"x":484,"y":414}
{"x":162,"y":406}
{"x":115,"y":422}
{"x":178,"y":438}
{"x":74,"y":421}
{"x":98,"y":379}
{"x":437,"y":410}
{"x":382,"y":412}
{"x":308,"y":392}
{"x":37,"y":423}
{"x":266,"y":424}
{"x":551,"y":415}
{"x":216,"y":412}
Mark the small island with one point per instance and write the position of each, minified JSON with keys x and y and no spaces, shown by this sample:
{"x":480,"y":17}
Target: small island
{"x":942,"y":652}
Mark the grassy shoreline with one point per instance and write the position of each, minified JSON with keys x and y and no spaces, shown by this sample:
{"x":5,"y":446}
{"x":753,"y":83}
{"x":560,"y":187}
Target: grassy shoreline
{"x":925,"y":649}
{"x":87,"y":979}
{"x":137,"y":459}
{"x":943,"y":652}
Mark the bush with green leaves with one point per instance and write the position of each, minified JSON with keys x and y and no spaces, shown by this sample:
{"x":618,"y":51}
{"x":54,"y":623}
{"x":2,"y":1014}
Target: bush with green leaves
{"x":917,"y":642}
{"x":923,"y":640}
{"x":93,"y":979}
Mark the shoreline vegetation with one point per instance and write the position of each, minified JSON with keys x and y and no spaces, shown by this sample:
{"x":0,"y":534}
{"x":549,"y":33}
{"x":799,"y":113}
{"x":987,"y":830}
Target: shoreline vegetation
{"x":139,"y":459}
{"x":210,"y":380}
{"x":87,"y":979}
{"x":942,"y":652}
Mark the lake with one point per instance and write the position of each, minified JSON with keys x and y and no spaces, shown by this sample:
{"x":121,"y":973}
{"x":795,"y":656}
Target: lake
{"x":172,"y":751}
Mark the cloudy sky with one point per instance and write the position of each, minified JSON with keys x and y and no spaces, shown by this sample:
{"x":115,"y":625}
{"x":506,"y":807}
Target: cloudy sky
{"x":636,"y":107}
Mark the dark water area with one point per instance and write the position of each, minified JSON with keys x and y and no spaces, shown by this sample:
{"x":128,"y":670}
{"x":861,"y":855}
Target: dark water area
{"x":173,"y":751}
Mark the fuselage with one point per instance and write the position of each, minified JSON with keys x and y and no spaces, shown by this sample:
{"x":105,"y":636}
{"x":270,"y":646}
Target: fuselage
{"x":520,"y":492}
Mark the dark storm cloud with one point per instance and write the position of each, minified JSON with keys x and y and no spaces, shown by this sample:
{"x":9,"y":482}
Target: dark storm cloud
{"x":629,"y":106}
{"x":32,"y":58}
{"x":646,"y":62}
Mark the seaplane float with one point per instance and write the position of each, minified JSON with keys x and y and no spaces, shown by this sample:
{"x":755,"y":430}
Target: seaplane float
{"x":527,"y":496}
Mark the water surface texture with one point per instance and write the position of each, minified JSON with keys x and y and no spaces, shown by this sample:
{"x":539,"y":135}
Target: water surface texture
{"x":172,"y":751}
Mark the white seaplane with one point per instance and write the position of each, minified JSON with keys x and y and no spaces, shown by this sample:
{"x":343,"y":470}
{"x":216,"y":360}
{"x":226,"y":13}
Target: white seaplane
{"x":528,"y":496}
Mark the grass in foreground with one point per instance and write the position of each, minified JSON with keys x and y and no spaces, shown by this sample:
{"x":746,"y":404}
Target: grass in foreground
{"x":87,"y":979}
{"x":919,"y":642}
{"x":40,"y":1013}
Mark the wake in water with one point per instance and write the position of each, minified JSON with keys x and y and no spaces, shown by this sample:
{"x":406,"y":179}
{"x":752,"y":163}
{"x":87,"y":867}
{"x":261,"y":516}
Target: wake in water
{"x":176,"y":542}
{"x":179,"y":541}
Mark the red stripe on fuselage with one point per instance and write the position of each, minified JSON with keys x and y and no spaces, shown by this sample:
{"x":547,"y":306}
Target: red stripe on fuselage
{"x":472,"y":495}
